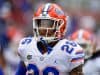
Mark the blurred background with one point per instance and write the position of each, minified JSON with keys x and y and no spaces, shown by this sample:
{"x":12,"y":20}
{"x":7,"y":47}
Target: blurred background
{"x":16,"y":23}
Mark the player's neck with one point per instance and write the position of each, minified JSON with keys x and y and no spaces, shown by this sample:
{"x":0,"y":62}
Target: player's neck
{"x":43,"y":49}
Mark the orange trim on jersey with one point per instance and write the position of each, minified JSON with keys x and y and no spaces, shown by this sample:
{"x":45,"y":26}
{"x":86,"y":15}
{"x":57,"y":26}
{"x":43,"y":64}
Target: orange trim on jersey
{"x":78,"y":60}
{"x":79,"y":52}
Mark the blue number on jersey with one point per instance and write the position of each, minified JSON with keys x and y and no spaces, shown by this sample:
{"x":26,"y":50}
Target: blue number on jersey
{"x":69,"y":46}
{"x":26,"y":41}
{"x":34,"y":68}
{"x":45,"y":71}
{"x":71,"y":43}
{"x":52,"y":70}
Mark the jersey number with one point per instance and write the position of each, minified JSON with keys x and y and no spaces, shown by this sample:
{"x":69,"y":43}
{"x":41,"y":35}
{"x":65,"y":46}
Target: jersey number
{"x":33,"y":70}
{"x":68,"y":47}
{"x":26,"y":41}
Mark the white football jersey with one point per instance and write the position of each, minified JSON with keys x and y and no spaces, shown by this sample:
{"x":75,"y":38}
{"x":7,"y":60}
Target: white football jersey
{"x":65,"y":56}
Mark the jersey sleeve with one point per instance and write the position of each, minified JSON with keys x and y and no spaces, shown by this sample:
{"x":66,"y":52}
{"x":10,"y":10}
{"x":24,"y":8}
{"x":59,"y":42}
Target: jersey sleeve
{"x":74,"y":54}
{"x":22,"y":49}
{"x":77,"y":57}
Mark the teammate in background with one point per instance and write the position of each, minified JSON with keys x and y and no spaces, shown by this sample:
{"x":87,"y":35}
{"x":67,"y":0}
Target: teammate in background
{"x":48,"y":53}
{"x":86,"y":40}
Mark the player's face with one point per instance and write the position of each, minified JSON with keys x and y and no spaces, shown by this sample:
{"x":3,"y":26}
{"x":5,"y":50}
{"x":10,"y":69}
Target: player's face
{"x":46,"y":27}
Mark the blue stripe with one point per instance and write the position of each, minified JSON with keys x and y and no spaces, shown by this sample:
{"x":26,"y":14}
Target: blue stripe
{"x":77,"y":58}
{"x":79,"y":52}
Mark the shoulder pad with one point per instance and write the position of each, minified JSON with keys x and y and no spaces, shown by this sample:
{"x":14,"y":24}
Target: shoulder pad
{"x":71,"y":47}
{"x":23,"y":45}
{"x":25,"y":41}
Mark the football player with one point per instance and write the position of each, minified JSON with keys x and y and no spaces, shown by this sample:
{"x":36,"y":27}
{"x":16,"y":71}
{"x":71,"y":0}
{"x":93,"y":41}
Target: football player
{"x":48,"y":53}
{"x":86,"y":40}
